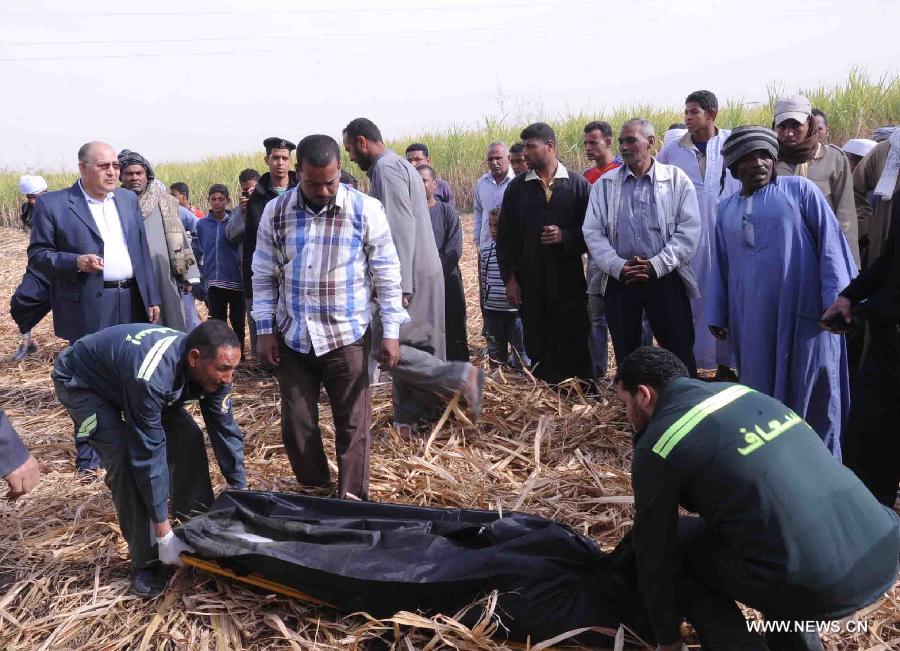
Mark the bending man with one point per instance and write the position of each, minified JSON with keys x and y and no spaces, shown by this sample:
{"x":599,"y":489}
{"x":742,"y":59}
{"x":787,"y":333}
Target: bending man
{"x":146,"y":374}
{"x":756,"y":474}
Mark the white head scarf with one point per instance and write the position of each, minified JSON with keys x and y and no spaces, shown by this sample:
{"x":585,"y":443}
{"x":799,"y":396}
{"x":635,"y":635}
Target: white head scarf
{"x":32,"y":184}
{"x":888,"y":181}
{"x":858,"y":146}
{"x":673,"y":135}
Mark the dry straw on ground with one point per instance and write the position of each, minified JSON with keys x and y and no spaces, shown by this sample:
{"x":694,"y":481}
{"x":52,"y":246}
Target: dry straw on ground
{"x":64,"y":568}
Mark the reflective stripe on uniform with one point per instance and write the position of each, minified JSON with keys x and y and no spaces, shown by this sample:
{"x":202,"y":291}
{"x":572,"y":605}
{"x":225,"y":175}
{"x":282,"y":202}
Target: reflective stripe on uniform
{"x":88,"y":425}
{"x":681,"y":427}
{"x":154,"y":356}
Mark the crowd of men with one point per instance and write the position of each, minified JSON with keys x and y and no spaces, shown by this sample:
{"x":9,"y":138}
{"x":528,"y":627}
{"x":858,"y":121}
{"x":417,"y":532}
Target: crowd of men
{"x":749,"y":252}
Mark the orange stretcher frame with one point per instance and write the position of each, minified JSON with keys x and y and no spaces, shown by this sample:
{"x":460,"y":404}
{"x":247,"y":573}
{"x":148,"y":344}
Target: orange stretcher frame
{"x":256,"y":580}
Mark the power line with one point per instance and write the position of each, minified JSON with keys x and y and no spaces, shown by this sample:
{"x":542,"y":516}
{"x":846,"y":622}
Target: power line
{"x":156,"y":55}
{"x":266,"y":37}
{"x":545,"y":30}
{"x":330,"y":10}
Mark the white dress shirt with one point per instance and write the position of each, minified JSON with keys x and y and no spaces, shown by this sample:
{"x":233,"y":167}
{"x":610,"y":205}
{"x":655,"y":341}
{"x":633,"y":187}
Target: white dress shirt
{"x":116,"y":259}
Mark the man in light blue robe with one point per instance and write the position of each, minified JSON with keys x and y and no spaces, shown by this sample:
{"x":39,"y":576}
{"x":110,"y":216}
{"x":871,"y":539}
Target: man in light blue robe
{"x":698,"y":152}
{"x":780,"y":259}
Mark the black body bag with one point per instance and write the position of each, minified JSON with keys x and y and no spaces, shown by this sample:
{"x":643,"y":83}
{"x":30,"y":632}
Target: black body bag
{"x":384,"y":558}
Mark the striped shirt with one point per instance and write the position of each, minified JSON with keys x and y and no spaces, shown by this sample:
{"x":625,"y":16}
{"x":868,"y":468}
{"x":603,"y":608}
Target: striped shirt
{"x":492,"y":286}
{"x":313,"y":273}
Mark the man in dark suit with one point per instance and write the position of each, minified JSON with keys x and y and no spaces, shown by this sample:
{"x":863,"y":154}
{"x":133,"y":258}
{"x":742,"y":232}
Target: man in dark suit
{"x":89,"y":241}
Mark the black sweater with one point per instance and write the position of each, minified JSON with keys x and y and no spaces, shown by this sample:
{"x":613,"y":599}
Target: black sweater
{"x":262,"y":195}
{"x":879,"y":284}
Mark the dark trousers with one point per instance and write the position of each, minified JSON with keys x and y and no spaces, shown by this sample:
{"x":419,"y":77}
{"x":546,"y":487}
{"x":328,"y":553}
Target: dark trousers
{"x":505,"y":337}
{"x":31,"y":301}
{"x":713,"y":577}
{"x":871,"y":441}
{"x":597,"y":342}
{"x":100,"y":422}
{"x":344,"y":372}
{"x":124,"y":305}
{"x":251,"y":327}
{"x":117,"y":306}
{"x":228,"y":305}
{"x":456,"y":332}
{"x":666,"y":304}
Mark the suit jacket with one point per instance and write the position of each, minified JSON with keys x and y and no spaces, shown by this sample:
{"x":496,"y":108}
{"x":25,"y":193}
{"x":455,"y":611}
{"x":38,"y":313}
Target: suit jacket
{"x":13,"y":452}
{"x":62,"y":229}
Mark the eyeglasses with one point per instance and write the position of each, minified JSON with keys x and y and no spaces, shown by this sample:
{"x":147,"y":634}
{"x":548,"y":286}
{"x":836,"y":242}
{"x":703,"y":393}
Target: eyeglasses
{"x":105,"y":166}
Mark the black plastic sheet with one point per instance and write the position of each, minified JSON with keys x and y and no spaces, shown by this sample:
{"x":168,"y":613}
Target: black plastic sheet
{"x":383,"y":558}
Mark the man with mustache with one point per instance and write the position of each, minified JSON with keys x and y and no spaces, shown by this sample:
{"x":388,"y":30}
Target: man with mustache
{"x":89,"y":242}
{"x":779,"y":260}
{"x":642,"y":228}
{"x":170,"y":251}
{"x":125,"y":388}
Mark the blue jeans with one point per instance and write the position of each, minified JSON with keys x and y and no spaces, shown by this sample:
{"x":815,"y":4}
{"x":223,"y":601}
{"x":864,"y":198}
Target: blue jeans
{"x":504,"y":330}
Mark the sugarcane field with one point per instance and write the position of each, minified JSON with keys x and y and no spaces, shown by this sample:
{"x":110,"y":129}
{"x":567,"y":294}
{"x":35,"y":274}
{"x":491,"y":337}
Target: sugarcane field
{"x":473,"y":325}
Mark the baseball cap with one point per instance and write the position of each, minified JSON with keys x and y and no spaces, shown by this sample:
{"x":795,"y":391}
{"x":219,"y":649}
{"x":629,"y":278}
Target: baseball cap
{"x":795,"y":107}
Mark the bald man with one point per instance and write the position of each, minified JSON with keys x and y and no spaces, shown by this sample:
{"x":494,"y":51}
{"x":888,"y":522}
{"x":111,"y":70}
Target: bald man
{"x":89,"y":242}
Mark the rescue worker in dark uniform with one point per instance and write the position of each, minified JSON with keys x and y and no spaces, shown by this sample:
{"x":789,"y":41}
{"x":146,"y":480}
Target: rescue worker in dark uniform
{"x":125,"y":388}
{"x":784,"y":528}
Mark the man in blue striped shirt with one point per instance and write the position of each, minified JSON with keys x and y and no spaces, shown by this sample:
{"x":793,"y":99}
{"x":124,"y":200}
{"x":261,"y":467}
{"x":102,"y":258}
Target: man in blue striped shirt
{"x":323,"y":249}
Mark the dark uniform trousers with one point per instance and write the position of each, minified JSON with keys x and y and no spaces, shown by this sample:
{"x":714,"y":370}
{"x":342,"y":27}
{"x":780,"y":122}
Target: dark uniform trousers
{"x":871,"y":442}
{"x":713,"y":577}
{"x":100,"y":423}
{"x":344,"y":373}
{"x":117,"y":305}
{"x":668,"y":309}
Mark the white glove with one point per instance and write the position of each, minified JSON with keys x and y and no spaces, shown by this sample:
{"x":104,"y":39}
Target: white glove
{"x":169,"y":548}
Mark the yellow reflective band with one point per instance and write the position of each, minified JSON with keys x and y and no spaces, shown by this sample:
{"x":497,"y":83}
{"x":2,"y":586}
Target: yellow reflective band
{"x":136,"y":339}
{"x":153,"y":358}
{"x":681,"y":427}
{"x":88,"y":425}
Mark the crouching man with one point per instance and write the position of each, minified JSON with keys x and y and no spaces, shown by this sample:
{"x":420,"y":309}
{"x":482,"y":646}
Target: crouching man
{"x":783,"y":527}
{"x":125,"y":387}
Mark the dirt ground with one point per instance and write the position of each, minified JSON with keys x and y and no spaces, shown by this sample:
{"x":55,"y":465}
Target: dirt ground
{"x":64,"y":567}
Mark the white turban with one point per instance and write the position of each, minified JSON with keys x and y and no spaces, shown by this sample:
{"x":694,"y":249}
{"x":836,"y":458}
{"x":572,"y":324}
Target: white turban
{"x":858,"y":146}
{"x":673,"y":135}
{"x":32,"y":184}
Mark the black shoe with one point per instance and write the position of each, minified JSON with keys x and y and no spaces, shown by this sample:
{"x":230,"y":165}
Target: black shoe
{"x":148,"y":582}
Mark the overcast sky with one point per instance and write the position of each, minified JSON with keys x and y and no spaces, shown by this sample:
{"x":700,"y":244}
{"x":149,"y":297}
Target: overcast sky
{"x":187,"y":80}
